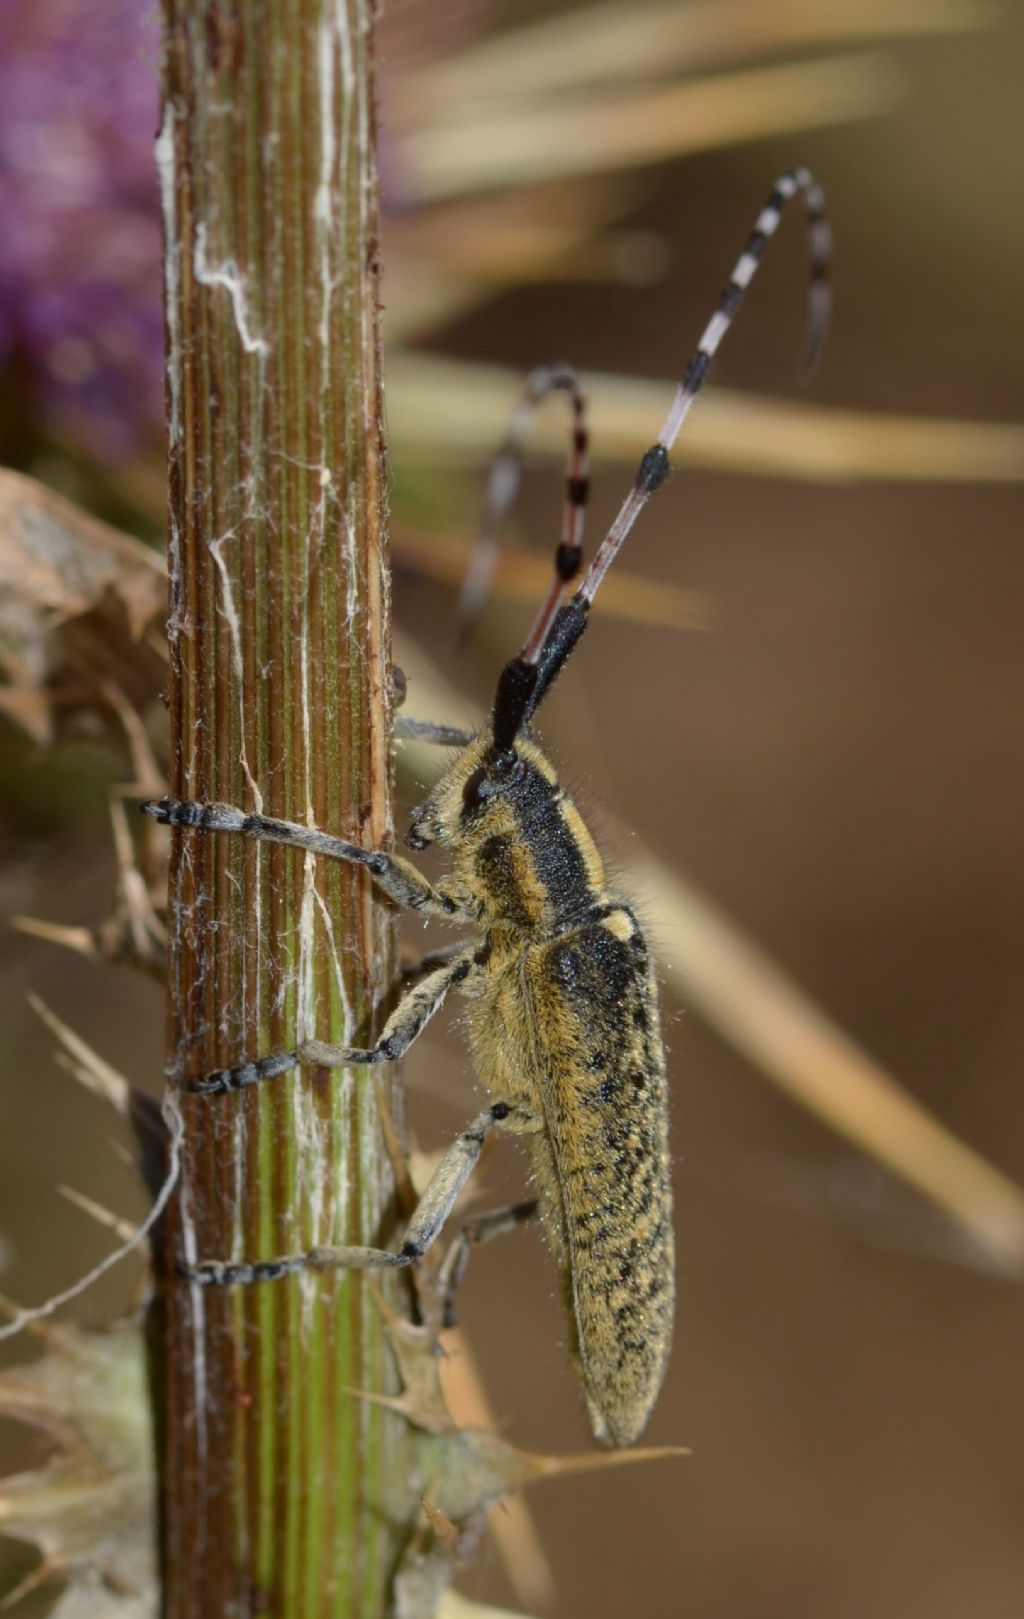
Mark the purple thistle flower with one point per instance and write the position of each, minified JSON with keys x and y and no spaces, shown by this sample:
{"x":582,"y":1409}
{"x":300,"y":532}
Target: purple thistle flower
{"x":80,"y":309}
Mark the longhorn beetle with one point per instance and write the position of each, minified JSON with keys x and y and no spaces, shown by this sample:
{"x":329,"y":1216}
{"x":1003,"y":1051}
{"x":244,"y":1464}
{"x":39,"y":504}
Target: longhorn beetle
{"x":563,"y":1014}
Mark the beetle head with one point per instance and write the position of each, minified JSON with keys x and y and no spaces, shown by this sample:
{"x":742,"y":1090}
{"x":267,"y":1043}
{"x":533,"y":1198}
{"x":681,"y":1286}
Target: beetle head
{"x":466,"y":795}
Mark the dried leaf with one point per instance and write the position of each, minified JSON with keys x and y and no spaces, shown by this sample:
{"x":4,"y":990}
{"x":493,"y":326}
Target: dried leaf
{"x":91,"y":1508}
{"x":77,"y":599}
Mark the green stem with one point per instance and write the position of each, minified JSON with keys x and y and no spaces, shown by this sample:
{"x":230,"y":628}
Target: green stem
{"x":284,"y":1493}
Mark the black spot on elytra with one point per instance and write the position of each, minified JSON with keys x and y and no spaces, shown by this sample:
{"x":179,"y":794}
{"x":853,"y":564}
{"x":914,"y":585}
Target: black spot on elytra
{"x":567,"y":966}
{"x":602,"y":1093}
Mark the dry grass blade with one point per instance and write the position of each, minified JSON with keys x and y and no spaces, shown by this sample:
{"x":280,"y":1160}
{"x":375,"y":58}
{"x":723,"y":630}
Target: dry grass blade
{"x":741,"y":992}
{"x":97,"y":1211}
{"x":512,"y":237}
{"x":450,"y":409}
{"x":81,"y":940}
{"x":444,"y":260}
{"x":520,"y":145}
{"x":613,"y":42}
{"x":522,"y":577}
{"x":87,"y":1066}
{"x":783,"y":438}
{"x":749,"y":1000}
{"x":454,"y":1606}
{"x":134,"y":933}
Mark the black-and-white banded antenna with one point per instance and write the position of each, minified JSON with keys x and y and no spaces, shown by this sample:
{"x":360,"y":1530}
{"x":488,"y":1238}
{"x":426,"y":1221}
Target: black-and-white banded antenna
{"x":502,"y":489}
{"x":528,"y":677}
{"x":654,"y":467}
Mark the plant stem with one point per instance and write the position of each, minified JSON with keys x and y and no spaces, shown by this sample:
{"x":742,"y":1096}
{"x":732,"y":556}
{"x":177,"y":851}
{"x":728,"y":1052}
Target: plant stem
{"x":283,"y":1491}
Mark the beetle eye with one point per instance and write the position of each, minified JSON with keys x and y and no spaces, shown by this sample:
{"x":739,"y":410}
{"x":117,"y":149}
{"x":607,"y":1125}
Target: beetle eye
{"x":475,"y":790}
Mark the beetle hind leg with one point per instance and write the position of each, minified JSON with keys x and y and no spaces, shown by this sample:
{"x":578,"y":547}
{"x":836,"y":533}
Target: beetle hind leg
{"x":482,"y":1228}
{"x":431,"y":1212}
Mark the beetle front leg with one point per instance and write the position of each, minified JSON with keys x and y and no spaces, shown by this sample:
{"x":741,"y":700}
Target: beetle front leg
{"x":397,"y":877}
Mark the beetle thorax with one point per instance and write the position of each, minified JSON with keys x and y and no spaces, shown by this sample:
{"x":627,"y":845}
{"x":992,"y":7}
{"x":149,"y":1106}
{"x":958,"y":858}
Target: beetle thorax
{"x":515,"y":840}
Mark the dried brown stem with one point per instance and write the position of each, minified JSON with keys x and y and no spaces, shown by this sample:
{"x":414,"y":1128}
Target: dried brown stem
{"x":283,"y":1491}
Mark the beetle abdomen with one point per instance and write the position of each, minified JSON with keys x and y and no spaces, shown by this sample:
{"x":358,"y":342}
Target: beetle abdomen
{"x":601,"y":1080}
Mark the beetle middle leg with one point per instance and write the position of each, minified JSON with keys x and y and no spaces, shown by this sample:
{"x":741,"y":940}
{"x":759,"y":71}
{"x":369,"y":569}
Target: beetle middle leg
{"x":443,"y":736}
{"x":412,"y":970}
{"x":429,"y":1217}
{"x":406,"y":1022}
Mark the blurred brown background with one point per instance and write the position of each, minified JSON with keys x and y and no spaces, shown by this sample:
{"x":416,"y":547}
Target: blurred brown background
{"x":839,"y":764}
